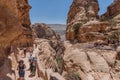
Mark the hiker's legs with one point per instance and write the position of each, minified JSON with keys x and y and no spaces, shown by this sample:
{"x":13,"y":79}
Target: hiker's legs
{"x":31,"y":67}
{"x":24,"y":54}
{"x":34,"y":70}
{"x":21,"y":75}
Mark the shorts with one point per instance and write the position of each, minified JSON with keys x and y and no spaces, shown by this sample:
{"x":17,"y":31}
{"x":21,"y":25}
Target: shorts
{"x":22,"y":74}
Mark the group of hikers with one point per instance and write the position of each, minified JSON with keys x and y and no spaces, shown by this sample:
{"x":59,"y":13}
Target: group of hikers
{"x":32,"y":62}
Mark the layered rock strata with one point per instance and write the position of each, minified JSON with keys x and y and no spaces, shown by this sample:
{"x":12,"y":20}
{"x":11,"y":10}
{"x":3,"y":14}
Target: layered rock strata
{"x":83,"y":27}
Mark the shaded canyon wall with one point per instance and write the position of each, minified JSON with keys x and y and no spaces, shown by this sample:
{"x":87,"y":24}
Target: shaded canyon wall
{"x":14,"y":30}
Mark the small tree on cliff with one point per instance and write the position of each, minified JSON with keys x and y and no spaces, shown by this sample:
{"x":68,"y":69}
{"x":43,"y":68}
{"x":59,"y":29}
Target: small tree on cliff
{"x":76,"y":27}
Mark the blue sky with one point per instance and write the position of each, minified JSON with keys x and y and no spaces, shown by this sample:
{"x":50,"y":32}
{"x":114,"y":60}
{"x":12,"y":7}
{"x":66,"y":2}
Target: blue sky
{"x":103,"y":4}
{"x":55,"y":11}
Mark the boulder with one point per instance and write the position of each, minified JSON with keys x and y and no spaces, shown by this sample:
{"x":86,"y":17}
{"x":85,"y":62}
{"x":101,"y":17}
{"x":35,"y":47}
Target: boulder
{"x":99,"y":64}
{"x":90,"y":63}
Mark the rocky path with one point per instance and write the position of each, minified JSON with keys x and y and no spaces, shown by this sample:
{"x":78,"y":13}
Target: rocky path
{"x":42,"y":73}
{"x":27,"y":72}
{"x":26,"y":61}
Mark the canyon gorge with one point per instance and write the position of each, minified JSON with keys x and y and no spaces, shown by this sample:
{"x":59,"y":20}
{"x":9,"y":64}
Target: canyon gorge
{"x":91,"y":50}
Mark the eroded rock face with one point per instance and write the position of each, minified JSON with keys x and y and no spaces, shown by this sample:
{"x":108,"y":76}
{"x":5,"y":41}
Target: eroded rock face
{"x":84,"y":29}
{"x":50,"y":46}
{"x":82,"y":11}
{"x":113,"y":9}
{"x":14,"y":29}
{"x":19,"y":8}
{"x":113,"y":13}
{"x":93,"y":32}
{"x":14,"y":20}
{"x":87,"y":59}
{"x":43,"y":31}
{"x":90,"y":63}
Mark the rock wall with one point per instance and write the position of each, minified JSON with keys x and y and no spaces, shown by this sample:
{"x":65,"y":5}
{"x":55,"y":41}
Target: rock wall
{"x":93,"y":32}
{"x":95,"y":56}
{"x":14,"y":29}
{"x":19,"y":8}
{"x":113,"y":13}
{"x":83,"y":27}
{"x":15,"y":16}
{"x":85,"y":63}
{"x":81,"y":12}
{"x":41,"y":30}
{"x":112,"y":10}
{"x":50,"y":52}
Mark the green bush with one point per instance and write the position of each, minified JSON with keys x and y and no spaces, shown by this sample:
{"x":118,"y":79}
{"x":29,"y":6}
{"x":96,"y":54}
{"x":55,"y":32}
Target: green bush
{"x":60,"y":63}
{"x":114,"y":36}
{"x":112,"y":23}
{"x":103,"y":19}
{"x":76,"y":76}
{"x":76,"y":27}
{"x":72,"y":76}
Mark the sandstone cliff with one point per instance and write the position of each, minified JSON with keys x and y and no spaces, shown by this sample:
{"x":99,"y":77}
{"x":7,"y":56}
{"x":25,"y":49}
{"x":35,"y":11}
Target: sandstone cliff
{"x":113,"y":13}
{"x":112,"y":10}
{"x":90,"y":28}
{"x":14,"y":30}
{"x":19,"y":8}
{"x":50,"y":52}
{"x":41,"y":30}
{"x":86,"y":62}
{"x":14,"y":20}
{"x":81,"y":12}
{"x":96,"y":56}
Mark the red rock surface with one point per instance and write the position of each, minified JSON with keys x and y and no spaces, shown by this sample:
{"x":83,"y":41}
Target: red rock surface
{"x":90,"y":63}
{"x":93,"y":32}
{"x":14,"y":29}
{"x":113,"y":9}
{"x":82,"y":11}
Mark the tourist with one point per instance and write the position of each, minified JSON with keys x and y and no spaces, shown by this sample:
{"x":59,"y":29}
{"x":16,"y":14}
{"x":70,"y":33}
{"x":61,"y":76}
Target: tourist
{"x":24,"y":51}
{"x":30,"y":58}
{"x":33,"y":67}
{"x":21,"y":70}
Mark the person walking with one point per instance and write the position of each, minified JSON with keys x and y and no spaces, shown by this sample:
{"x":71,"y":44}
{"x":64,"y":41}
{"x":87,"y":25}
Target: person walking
{"x":21,"y":70}
{"x":33,"y":67}
{"x":24,"y":51}
{"x":30,"y":62}
{"x":30,"y":58}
